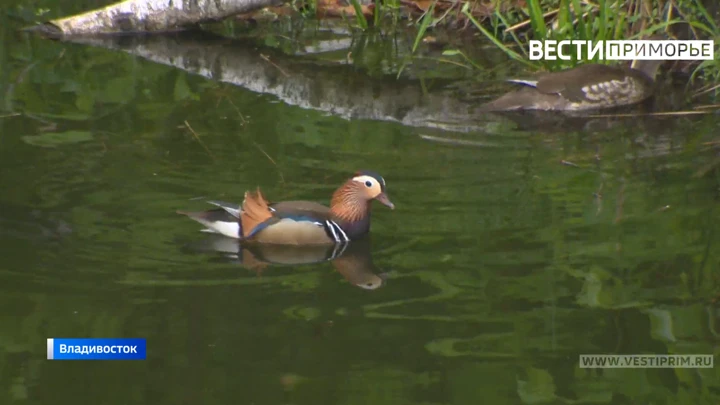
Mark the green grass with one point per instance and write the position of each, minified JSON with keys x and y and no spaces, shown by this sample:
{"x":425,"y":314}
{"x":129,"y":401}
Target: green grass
{"x":510,"y":28}
{"x":597,"y":21}
{"x":359,"y":17}
{"x":574,"y":20}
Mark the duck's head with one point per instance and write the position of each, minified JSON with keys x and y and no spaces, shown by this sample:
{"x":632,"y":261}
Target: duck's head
{"x":370,"y":186}
{"x":650,"y":67}
{"x":351,"y":202}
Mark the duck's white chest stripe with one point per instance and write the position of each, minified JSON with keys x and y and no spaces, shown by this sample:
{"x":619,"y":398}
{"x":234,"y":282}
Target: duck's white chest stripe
{"x":337,"y":232}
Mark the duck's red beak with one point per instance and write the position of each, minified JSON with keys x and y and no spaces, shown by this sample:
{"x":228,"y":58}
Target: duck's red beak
{"x":383,"y":198}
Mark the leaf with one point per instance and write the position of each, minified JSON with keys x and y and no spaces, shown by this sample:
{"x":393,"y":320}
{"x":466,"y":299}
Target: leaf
{"x":53,"y":139}
{"x":423,"y":5}
{"x":359,"y":14}
{"x":424,"y":24}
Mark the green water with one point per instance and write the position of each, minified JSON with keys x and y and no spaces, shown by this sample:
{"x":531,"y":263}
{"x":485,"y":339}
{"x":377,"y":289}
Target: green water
{"x":501,"y":264}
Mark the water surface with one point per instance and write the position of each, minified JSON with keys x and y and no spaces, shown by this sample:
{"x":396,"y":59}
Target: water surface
{"x":506,"y":257}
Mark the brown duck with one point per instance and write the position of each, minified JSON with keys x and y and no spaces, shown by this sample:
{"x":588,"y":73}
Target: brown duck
{"x":586,"y":87}
{"x":299,"y":222}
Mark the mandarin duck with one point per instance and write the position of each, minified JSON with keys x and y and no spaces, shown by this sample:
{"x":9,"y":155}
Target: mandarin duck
{"x":586,"y":87}
{"x":299,"y":222}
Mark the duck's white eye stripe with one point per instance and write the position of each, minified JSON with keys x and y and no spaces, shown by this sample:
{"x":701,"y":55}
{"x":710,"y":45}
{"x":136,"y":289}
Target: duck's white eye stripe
{"x":364,"y":178}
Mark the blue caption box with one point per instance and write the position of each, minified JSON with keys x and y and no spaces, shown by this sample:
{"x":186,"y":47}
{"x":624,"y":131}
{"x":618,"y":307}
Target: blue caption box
{"x":96,"y":349}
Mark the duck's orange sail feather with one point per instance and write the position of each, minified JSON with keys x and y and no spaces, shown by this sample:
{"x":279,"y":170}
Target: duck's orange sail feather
{"x":255,"y":210}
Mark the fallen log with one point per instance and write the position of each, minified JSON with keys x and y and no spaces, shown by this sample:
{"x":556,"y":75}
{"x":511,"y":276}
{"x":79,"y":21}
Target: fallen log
{"x":149,"y":16}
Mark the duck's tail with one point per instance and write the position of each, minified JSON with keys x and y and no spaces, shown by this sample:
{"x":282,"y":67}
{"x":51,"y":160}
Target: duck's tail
{"x":524,"y":82}
{"x":216,"y":221}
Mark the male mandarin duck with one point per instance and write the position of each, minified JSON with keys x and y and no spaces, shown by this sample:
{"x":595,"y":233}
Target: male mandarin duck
{"x":586,"y":87}
{"x":299,"y":222}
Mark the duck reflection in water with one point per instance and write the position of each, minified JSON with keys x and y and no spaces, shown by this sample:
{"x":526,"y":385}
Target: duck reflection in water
{"x":353,"y":260}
